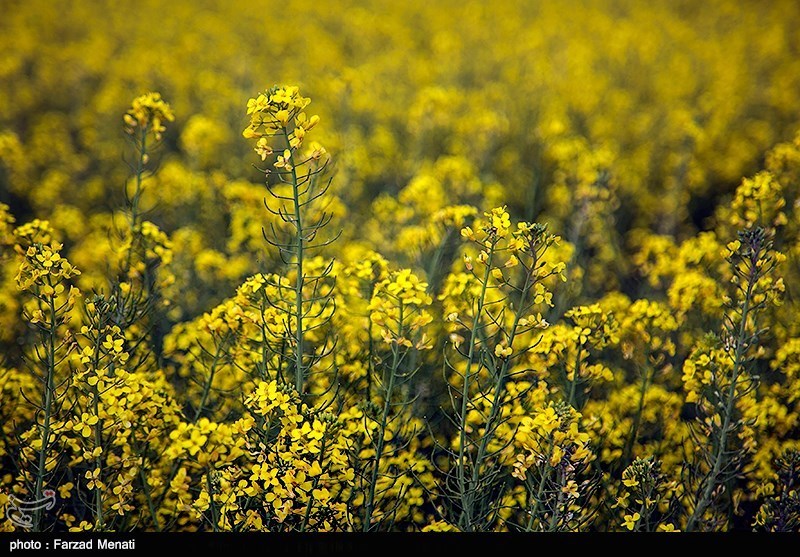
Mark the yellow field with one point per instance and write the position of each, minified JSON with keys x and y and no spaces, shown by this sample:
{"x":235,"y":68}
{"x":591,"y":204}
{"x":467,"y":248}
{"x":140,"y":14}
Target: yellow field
{"x":452,"y":265}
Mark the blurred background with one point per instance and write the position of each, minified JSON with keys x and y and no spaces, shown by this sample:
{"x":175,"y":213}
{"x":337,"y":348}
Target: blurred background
{"x":609,"y":120}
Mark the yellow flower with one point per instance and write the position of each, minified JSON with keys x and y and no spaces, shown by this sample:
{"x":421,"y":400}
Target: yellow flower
{"x":282,"y":116}
{"x":149,"y":112}
{"x":84,"y":526}
{"x":283,"y":160}
{"x":84,"y":427}
{"x":317,"y":151}
{"x":468,"y":262}
{"x":112,"y":344}
{"x":502,"y":351}
{"x":94,"y":479}
{"x":64,"y":490}
{"x":263,"y":148}
{"x":630,"y":482}
{"x":570,"y":489}
{"x":631,"y":520}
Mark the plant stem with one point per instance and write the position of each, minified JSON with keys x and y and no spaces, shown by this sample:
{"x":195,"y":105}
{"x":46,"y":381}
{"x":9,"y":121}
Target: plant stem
{"x":711,"y":480}
{"x":539,"y":491}
{"x":47,"y":401}
{"x":98,"y":442}
{"x":146,"y":488}
{"x":574,"y":382}
{"x":499,"y":387}
{"x":137,"y":193}
{"x":299,"y":372}
{"x":212,"y":371}
{"x":314,"y":485}
{"x":465,"y":491}
{"x":387,"y":405}
{"x":211,"y":504}
{"x":139,"y":178}
{"x":559,"y":500}
{"x":637,"y":419}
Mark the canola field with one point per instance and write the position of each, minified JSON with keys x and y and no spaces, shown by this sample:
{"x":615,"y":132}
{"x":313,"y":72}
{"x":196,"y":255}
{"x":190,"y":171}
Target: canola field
{"x":399,"y":266}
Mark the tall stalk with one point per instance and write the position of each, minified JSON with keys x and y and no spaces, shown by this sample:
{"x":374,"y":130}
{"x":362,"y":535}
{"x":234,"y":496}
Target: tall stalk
{"x":465,"y":490}
{"x":711,"y":480}
{"x":48,"y":398}
{"x":299,"y":240}
{"x":278,"y":112}
{"x":382,"y":424}
{"x":751,"y":259}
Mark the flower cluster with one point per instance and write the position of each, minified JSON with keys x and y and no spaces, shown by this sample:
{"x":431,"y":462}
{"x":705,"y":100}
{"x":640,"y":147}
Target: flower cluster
{"x":398,"y":308}
{"x":274,"y":112}
{"x":147,"y":114}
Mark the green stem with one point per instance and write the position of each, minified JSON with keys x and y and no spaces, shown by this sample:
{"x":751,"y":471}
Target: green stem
{"x":387,"y":405}
{"x":637,"y":419}
{"x":557,"y":511}
{"x":645,"y":511}
{"x":711,"y":479}
{"x":137,"y":193}
{"x":264,"y":352}
{"x":47,"y":401}
{"x":98,"y":442}
{"x":139,"y":178}
{"x":499,"y":387}
{"x":299,"y":373}
{"x":539,"y":492}
{"x":150,"y":505}
{"x":211,"y":504}
{"x":314,"y":485}
{"x":574,"y":382}
{"x":370,"y":362}
{"x":465,"y":492}
{"x":212,"y":371}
